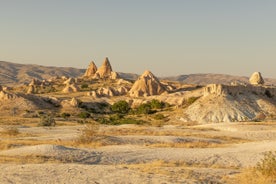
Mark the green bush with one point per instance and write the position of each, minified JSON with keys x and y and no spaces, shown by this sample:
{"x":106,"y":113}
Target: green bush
{"x":267,"y":166}
{"x":84,"y":115}
{"x":120,"y":107}
{"x":47,"y":121}
{"x":145,"y":109}
{"x":65,"y":115}
{"x":159,"y":117}
{"x":84,"y":86}
{"x":191,"y":100}
{"x":156,"y":104}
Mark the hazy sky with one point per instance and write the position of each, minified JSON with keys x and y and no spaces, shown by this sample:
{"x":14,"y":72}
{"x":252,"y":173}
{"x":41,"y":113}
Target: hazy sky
{"x":168,"y":37}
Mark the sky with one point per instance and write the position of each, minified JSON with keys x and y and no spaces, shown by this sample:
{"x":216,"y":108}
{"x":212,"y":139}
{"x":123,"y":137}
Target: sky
{"x":168,"y":37}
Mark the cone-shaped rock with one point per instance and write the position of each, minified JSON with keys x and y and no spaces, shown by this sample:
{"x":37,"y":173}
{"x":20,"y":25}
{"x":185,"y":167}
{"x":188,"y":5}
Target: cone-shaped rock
{"x":146,"y":85}
{"x":105,"y":70}
{"x":91,"y":70}
{"x":256,"y":79}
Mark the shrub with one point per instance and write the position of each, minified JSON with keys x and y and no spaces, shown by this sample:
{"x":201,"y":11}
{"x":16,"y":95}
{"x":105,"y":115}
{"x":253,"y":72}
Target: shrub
{"x":89,"y":132}
{"x":267,"y":166}
{"x":47,"y":121}
{"x":65,"y":115}
{"x":83,"y":86}
{"x":145,"y":109}
{"x":156,"y":104}
{"x":120,"y":107}
{"x":158,"y":117}
{"x":191,"y":100}
{"x":84,"y":115}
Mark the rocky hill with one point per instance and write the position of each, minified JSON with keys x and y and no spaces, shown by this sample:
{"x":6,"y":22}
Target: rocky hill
{"x":13,"y":73}
{"x":223,"y":103}
{"x":203,"y":79}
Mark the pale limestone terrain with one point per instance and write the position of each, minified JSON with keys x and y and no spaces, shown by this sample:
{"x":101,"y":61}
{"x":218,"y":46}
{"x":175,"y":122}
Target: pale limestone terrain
{"x":138,"y":158}
{"x":190,"y":134}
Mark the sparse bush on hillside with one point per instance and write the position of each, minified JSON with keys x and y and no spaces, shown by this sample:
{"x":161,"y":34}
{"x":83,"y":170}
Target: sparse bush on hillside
{"x":190,"y":101}
{"x":84,"y":115}
{"x":156,"y":104}
{"x":65,"y":115}
{"x":47,"y":120}
{"x":144,"y":109}
{"x":159,"y":117}
{"x":84,"y":86}
{"x":120,"y":107}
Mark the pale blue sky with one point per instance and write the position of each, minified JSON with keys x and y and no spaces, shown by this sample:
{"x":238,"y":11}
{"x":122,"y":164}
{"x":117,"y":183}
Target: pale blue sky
{"x":168,"y":37}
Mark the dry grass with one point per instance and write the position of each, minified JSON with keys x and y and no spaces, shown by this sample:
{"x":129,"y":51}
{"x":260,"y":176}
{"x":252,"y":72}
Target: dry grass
{"x":9,"y":131}
{"x":194,"y":144}
{"x":30,"y":159}
{"x":9,"y":120}
{"x":177,"y":170}
{"x":249,"y":175}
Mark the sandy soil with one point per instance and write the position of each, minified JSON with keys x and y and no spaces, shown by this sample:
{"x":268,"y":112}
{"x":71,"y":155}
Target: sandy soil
{"x":133,"y":160}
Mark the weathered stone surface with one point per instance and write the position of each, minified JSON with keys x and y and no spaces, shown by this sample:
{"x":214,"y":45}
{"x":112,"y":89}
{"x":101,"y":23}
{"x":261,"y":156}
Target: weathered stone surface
{"x":71,"y":88}
{"x":256,"y":79}
{"x":147,"y":85}
{"x":91,"y":70}
{"x":105,"y":70}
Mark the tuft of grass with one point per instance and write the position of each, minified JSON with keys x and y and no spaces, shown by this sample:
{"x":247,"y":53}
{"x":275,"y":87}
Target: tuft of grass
{"x":10,"y":131}
{"x":267,"y":166}
{"x":263,"y":173}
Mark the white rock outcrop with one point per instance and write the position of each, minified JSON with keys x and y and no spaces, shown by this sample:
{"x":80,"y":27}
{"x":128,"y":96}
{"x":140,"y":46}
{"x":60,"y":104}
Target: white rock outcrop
{"x":147,"y":85}
{"x":256,"y":79}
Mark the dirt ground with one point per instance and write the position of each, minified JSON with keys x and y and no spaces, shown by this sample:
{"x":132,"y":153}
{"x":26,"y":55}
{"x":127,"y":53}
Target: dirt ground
{"x":209,"y":153}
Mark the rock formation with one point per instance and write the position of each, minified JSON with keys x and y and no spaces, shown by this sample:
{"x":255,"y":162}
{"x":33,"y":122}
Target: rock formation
{"x":105,"y":70}
{"x":35,"y":82}
{"x":256,"y":79}
{"x":31,"y":89}
{"x":70,"y":81}
{"x":91,"y":70}
{"x":74,"y":102}
{"x":226,"y":103}
{"x":147,"y":85}
{"x":71,"y":88}
{"x":6,"y":96}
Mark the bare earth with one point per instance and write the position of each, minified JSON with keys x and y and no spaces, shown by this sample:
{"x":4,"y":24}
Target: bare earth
{"x":150,"y":155}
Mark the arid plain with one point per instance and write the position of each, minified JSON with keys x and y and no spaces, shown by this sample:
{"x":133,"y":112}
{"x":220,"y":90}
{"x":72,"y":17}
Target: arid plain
{"x":100,"y":126}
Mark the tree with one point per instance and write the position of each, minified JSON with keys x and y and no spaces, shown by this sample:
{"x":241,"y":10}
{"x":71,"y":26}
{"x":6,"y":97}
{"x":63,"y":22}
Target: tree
{"x":120,"y":107}
{"x":144,"y":109}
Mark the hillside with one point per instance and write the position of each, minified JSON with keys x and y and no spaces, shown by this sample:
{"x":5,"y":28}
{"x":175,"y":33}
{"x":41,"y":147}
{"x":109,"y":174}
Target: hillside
{"x":203,"y":79}
{"x":13,"y":73}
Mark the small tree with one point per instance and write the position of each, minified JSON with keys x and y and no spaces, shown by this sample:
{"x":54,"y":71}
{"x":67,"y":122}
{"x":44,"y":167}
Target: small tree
{"x":144,"y":109}
{"x":120,"y":107}
{"x":156,"y":104}
{"x":84,"y":115}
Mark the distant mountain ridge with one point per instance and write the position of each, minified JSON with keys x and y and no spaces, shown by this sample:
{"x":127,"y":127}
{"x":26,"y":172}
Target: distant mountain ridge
{"x":204,"y":79}
{"x":14,"y":73}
